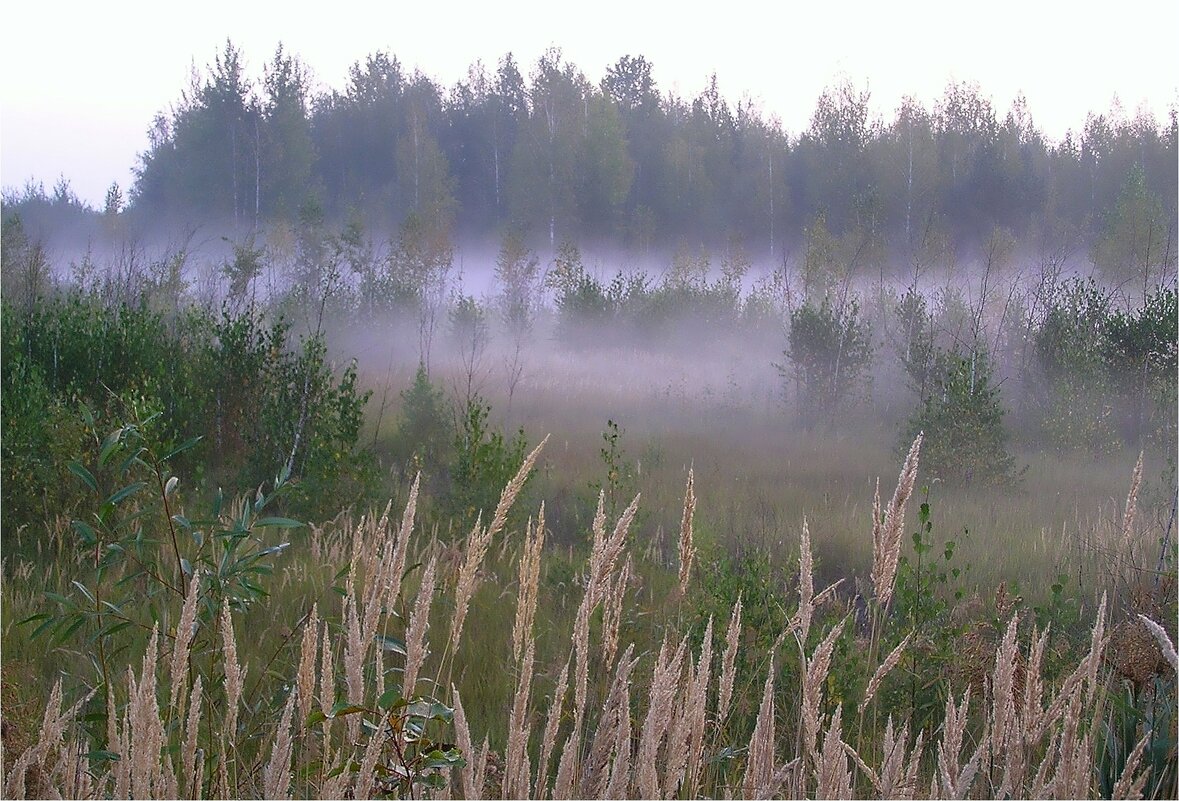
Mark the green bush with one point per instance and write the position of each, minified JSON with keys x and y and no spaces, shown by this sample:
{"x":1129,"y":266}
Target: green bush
{"x":484,"y":462}
{"x":829,"y":353}
{"x":962,"y":418}
{"x":263,"y":402}
{"x":426,"y":433}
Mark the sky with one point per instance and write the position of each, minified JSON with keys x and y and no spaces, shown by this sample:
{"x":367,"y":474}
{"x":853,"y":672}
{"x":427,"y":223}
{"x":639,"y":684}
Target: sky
{"x":81,"y":82}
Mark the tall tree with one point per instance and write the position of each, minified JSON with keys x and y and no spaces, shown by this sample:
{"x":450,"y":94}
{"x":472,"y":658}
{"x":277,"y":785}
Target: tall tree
{"x":283,"y":144}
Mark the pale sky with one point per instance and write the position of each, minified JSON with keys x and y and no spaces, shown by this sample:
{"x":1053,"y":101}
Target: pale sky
{"x":81,"y":81}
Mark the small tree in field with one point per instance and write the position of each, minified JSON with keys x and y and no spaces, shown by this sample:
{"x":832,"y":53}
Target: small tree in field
{"x":963,"y":422}
{"x":829,"y":352}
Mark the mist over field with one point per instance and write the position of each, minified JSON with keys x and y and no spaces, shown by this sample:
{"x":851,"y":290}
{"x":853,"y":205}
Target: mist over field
{"x":354,"y":386}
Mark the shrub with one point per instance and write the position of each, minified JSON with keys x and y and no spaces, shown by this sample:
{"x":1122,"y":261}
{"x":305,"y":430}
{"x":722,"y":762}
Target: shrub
{"x":426,"y":433}
{"x":266,"y":402}
{"x":829,"y":353}
{"x":962,"y":418}
{"x":484,"y":461}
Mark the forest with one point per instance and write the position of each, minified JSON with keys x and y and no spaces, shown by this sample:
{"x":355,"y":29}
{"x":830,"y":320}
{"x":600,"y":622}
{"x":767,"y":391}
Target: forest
{"x":535,"y":438}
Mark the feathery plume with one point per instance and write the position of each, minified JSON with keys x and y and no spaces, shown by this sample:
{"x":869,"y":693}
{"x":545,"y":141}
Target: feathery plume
{"x":886,"y":548}
{"x":665,"y":683}
{"x":603,"y":560}
{"x":1164,"y":641}
{"x":235,"y":674}
{"x":419,"y":623}
{"x":185,"y":629}
{"x":191,"y":730}
{"x":549,"y":739}
{"x":1130,"y":783}
{"x":516,"y":771}
{"x":477,"y":542}
{"x":1097,"y":642}
{"x":696,"y":710}
{"x":1003,"y":687}
{"x":368,"y":763}
{"x":812,"y":690}
{"x":481,"y":768}
{"x":1131,"y":508}
{"x":396,"y":570}
{"x":890,"y":662}
{"x":529,"y":583}
{"x":355,"y":651}
{"x":307,"y":655}
{"x":327,"y":677}
{"x":729,"y":663}
{"x":687,"y":548}
{"x":620,"y":771}
{"x":508,"y":496}
{"x":462,"y":735}
{"x":276,"y":780}
{"x":612,"y":614}
{"x":956,"y":780}
{"x":760,"y":765}
{"x":806,"y":582}
{"x":833,"y":776}
{"x":594,"y":775}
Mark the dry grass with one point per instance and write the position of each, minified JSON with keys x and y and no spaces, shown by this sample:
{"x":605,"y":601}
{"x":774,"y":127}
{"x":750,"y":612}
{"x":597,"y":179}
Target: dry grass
{"x":641,"y":724}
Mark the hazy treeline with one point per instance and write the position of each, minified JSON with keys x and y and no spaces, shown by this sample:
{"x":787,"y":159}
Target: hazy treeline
{"x":626,"y":164}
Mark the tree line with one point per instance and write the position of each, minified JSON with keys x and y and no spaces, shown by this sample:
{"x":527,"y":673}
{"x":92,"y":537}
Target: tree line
{"x":623,"y":163}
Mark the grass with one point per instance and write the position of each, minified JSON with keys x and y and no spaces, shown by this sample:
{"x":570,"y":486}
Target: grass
{"x":808,"y":726}
{"x":831,"y":707}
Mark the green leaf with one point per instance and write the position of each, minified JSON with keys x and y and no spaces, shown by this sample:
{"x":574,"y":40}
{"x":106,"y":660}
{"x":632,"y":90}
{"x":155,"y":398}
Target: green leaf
{"x":49,"y":621}
{"x":32,"y":618}
{"x":114,"y":628}
{"x":103,"y":756}
{"x":134,"y":459}
{"x":179,"y":449}
{"x":389,"y":697}
{"x":85,"y":531}
{"x":109,"y":445}
{"x":392,"y":644}
{"x":79,"y":470}
{"x":59,"y":598}
{"x":77,"y":624}
{"x":316,"y":716}
{"x":85,"y":591}
{"x":125,"y":492}
{"x":278,"y":522}
{"x":343,"y":709}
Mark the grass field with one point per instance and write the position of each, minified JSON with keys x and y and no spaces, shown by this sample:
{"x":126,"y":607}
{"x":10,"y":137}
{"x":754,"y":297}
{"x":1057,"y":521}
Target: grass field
{"x":780,"y":638}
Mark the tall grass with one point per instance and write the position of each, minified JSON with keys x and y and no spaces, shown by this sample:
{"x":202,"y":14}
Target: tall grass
{"x":622,"y":692}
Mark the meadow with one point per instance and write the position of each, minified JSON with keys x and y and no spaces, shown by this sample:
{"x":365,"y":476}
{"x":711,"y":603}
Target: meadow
{"x":657,"y":554}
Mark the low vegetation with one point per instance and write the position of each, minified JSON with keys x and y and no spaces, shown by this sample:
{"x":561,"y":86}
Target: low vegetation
{"x":621,"y":684}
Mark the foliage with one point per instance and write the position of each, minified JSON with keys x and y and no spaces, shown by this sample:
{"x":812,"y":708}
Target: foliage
{"x":928,"y":590}
{"x":267,"y":403}
{"x":1097,"y":359}
{"x":619,"y":486}
{"x":582,"y":303}
{"x":425,"y":434}
{"x":484,"y":461}
{"x":24,"y":264}
{"x":627,"y":163}
{"x":829,"y":352}
{"x":144,"y":552}
{"x":962,"y":418}
{"x":517,"y":270}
